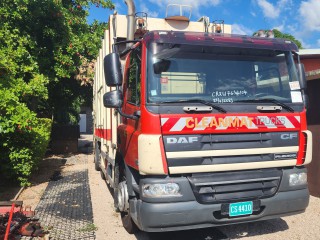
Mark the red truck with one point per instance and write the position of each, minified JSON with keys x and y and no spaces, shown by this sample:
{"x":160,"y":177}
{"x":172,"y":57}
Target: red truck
{"x":200,"y":129}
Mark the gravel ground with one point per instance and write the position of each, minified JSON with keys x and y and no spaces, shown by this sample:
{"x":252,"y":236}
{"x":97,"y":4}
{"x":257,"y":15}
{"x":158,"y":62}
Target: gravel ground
{"x":65,"y":207}
{"x":302,"y":226}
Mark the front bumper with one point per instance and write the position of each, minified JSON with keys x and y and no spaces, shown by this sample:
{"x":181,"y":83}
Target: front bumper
{"x":155,"y":216}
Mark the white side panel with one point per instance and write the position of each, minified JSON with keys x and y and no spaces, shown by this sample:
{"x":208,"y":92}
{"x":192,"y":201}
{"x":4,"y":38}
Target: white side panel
{"x":103,"y":90}
{"x":94,"y":107}
{"x":98,"y":92}
{"x":107,"y":111}
{"x":120,"y":32}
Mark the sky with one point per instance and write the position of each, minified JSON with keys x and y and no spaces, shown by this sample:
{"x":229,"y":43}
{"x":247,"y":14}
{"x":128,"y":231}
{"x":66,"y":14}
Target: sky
{"x":298,"y":18}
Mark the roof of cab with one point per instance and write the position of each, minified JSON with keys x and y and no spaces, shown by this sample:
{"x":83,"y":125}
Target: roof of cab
{"x":224,"y":40}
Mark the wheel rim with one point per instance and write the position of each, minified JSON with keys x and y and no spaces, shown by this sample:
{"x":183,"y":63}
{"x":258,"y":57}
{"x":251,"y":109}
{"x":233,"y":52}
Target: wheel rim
{"x":123,"y":197}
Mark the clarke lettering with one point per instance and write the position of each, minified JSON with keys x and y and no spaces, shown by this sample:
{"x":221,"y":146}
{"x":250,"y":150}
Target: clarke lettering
{"x":219,"y":122}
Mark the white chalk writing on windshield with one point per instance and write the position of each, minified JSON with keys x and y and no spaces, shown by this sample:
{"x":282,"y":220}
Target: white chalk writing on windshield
{"x":230,"y":93}
{"x":227,"y":96}
{"x":222,"y":100}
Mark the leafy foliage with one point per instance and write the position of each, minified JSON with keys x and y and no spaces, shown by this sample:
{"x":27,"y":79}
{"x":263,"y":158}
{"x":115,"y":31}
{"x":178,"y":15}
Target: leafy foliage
{"x":47,"y":52}
{"x":278,"y":34}
{"x":23,"y":137}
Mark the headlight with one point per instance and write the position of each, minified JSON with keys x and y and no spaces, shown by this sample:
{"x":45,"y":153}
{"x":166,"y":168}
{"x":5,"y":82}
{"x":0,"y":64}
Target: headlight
{"x":161,"y":190}
{"x":297,"y":179}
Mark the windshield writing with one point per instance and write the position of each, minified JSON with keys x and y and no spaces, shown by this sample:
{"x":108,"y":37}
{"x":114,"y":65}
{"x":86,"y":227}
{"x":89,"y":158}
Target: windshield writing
{"x":220,"y":75}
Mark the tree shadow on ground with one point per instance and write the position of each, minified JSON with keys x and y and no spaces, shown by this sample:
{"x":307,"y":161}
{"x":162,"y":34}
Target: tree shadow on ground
{"x":255,"y":228}
{"x":235,"y":231}
{"x":196,"y":234}
{"x":8,"y":189}
{"x":85,"y":144}
{"x":66,"y":206}
{"x":47,"y":167}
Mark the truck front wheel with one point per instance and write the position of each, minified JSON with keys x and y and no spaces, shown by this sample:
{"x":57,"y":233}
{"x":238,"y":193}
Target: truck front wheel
{"x":121,"y":200}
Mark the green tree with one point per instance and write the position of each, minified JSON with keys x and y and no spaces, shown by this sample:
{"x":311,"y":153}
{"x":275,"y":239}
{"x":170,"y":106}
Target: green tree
{"x":287,"y":36}
{"x":47,"y":50}
{"x":65,"y":44}
{"x":278,"y":34}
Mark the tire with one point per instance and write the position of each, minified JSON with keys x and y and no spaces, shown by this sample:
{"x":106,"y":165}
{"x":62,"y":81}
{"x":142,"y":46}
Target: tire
{"x":102,"y":175}
{"x":116,"y":189}
{"x":128,"y":223}
{"x":126,"y":219}
{"x":96,"y":157}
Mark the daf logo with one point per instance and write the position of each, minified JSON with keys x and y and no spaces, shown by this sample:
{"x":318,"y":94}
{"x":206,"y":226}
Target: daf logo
{"x":287,"y":136}
{"x":173,"y":140}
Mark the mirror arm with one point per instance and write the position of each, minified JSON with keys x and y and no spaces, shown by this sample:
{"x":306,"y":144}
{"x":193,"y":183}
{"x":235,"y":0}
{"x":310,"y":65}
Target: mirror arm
{"x":134,"y":117}
{"x":126,"y":51}
{"x":115,"y":49}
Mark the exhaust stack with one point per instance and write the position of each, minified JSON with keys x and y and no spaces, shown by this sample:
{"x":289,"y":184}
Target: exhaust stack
{"x":131,"y":21}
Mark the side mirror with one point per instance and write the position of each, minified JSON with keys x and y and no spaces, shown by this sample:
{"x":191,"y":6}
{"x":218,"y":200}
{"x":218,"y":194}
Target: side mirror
{"x":112,"y":70}
{"x":302,"y":76}
{"x":113,"y":99}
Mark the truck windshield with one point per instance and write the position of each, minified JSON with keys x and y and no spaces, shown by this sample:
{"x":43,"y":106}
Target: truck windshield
{"x":220,"y":75}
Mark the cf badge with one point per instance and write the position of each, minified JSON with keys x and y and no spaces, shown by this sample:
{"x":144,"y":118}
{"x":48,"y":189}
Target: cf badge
{"x":287,"y":136}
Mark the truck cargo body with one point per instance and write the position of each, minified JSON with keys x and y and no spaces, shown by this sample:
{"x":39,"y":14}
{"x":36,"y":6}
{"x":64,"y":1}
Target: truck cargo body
{"x":213,"y":130}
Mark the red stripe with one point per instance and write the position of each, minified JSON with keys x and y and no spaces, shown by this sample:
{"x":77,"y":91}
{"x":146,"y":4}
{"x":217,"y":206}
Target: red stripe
{"x":163,"y":156}
{"x":103,"y":133}
{"x":169,"y":124}
{"x":301,"y":153}
{"x":294,"y":121}
{"x":234,"y":125}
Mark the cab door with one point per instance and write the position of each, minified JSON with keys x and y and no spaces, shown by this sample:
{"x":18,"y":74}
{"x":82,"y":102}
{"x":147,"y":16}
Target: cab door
{"x":131,"y":128}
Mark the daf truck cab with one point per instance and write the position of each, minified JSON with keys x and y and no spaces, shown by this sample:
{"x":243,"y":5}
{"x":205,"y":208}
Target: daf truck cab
{"x":210,"y":130}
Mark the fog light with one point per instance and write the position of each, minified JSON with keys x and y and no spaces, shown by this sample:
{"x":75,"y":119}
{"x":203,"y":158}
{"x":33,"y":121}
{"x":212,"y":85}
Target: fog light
{"x":297,"y":179}
{"x":161,"y":190}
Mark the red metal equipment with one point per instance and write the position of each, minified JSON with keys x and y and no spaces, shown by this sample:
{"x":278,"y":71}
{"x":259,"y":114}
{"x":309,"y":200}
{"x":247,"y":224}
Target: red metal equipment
{"x":14,"y":220}
{"x":9,"y":222}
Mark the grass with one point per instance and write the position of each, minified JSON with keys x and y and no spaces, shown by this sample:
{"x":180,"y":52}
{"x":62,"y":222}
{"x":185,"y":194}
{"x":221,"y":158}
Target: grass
{"x":88,"y":228}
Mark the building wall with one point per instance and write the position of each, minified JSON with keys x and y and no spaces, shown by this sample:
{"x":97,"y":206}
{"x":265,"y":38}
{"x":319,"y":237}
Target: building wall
{"x":311,"y":64}
{"x":313,"y":118}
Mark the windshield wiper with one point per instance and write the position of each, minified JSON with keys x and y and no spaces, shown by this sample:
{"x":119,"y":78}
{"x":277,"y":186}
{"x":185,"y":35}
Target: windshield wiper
{"x":268,"y":100}
{"x":216,"y":107}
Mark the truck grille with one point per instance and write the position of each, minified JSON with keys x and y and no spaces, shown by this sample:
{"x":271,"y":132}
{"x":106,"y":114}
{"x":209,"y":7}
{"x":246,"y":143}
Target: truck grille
{"x":177,"y":143}
{"x":235,"y":186}
{"x":230,"y":152}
